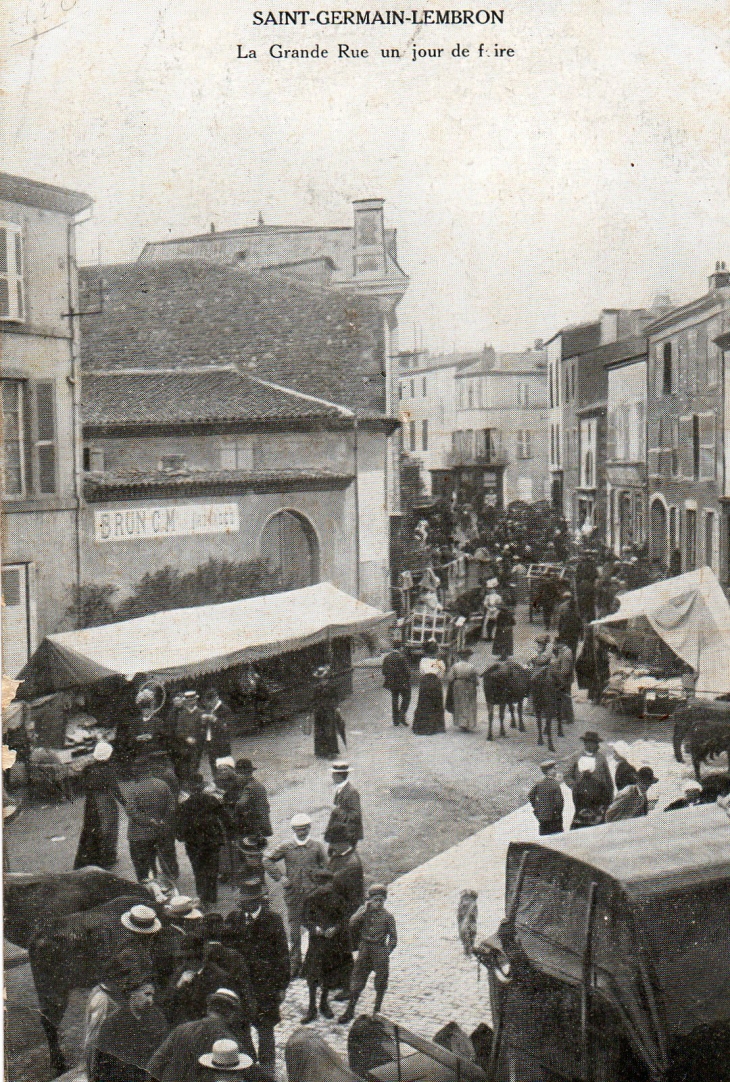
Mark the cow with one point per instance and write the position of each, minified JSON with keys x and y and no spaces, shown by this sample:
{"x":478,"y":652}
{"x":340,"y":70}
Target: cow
{"x":506,"y":683}
{"x":74,"y":951}
{"x":546,"y":704}
{"x":704,"y":728}
{"x":30,"y":900}
{"x":309,"y":1058}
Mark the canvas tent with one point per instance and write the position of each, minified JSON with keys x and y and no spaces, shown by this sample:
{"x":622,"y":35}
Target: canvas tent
{"x":192,"y":642}
{"x":660,"y":937}
{"x":690,"y":613}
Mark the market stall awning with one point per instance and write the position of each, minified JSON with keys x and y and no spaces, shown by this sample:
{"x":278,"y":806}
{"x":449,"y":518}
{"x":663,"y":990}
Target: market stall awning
{"x":191,"y":642}
{"x":691,"y":614}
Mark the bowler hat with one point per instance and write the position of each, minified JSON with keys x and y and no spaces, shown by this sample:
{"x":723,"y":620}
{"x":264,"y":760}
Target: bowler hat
{"x":589,"y":736}
{"x":251,"y":890}
{"x":244,"y":766}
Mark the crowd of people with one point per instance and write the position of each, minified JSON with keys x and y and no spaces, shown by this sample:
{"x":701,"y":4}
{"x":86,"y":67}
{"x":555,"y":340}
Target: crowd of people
{"x":181,"y":1014}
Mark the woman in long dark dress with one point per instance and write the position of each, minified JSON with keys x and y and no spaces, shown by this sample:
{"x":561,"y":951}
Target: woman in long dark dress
{"x":98,"y":840}
{"x":328,"y":963}
{"x":327,"y":720}
{"x":428,"y":717}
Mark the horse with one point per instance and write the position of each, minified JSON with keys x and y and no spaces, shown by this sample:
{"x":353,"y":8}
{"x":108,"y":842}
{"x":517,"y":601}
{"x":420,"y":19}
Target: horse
{"x":31,"y":899}
{"x":506,"y":683}
{"x":705,"y":729}
{"x":74,"y":951}
{"x":546,"y":704}
{"x":309,"y":1058}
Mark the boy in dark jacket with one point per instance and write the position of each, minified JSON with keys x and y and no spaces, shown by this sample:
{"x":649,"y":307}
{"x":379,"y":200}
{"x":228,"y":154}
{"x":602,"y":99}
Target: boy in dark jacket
{"x":547,"y":802}
{"x":374,"y":928}
{"x":199,"y":826}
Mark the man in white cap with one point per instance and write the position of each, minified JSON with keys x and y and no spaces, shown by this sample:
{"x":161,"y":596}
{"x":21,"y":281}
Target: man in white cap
{"x":492,"y":601}
{"x":346,"y":809}
{"x":302,"y":856}
{"x":98,"y":840}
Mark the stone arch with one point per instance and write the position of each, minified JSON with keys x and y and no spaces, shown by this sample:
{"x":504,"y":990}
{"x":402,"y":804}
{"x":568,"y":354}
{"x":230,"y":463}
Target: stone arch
{"x":289,"y":547}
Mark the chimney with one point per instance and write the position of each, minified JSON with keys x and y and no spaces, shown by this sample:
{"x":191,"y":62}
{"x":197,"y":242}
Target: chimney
{"x":369,"y":243}
{"x":212,"y":227}
{"x":538,"y":344}
{"x":720,"y":278}
{"x":609,"y":325}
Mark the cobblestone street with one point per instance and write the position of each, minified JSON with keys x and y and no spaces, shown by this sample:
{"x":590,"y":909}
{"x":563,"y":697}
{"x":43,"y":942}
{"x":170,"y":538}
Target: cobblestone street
{"x":423,"y":798}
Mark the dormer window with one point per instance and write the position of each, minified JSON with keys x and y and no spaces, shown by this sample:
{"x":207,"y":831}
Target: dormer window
{"x":12,"y":299}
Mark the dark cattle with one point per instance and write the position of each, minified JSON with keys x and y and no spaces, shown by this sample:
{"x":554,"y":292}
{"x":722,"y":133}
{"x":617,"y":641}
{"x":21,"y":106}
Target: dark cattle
{"x":74,"y":952}
{"x":30,"y":901}
{"x":369,"y":1046}
{"x":704,"y":729}
{"x":309,"y":1058}
{"x":505,"y":684}
{"x":545,"y":703}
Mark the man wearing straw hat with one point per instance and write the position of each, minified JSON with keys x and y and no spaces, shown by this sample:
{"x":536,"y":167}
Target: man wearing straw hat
{"x":225,"y":1057}
{"x":178,"y":1057}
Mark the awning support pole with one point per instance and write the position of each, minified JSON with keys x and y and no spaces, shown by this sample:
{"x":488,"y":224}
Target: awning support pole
{"x":585,"y":991}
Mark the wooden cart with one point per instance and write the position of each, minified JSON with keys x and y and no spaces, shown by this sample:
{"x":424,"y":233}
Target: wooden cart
{"x":424,"y":625}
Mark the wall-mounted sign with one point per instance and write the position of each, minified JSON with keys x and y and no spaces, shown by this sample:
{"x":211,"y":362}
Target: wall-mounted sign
{"x":150,"y":523}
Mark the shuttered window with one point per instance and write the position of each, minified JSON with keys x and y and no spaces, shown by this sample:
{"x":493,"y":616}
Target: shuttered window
{"x":46,"y":437}
{"x":12,"y":299}
{"x":13,"y":437}
{"x":685,"y":450}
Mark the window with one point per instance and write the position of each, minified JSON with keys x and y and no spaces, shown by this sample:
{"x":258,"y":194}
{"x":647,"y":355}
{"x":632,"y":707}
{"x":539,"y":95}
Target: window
{"x":470,"y":392}
{"x":552,"y":445}
{"x":695,"y":447}
{"x":93,"y":460}
{"x":686,"y":449}
{"x":675,"y":446}
{"x":12,"y":300}
{"x":45,"y":442}
{"x":557,"y":444}
{"x":424,"y":435}
{"x":413,"y":388}
{"x":588,"y":469}
{"x":13,"y":445}
{"x":469,"y":443}
{"x":566,"y":384}
{"x":673,"y":532}
{"x":400,"y":392}
{"x":552,"y":397}
{"x":236,"y":456}
{"x":638,"y":520}
{"x":523,"y":394}
{"x":423,"y":386}
{"x":524,"y":443}
{"x":667,"y":374}
{"x":709,"y":537}
{"x":713,"y":355}
{"x":412,"y":435}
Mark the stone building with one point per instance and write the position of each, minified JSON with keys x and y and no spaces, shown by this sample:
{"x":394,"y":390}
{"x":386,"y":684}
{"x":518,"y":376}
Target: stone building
{"x":40,"y":381}
{"x":685,"y":430}
{"x":626,"y":477}
{"x":234,"y":416}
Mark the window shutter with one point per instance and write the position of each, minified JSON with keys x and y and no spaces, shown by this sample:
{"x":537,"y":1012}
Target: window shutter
{"x":707,"y":446}
{"x":45,"y":438}
{"x":685,"y":454}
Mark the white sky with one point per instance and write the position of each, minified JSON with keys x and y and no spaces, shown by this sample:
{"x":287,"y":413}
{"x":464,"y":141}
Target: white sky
{"x":589,"y":171}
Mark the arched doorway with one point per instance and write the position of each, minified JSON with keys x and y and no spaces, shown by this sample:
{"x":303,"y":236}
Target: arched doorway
{"x":659,"y":532}
{"x":290,"y":550}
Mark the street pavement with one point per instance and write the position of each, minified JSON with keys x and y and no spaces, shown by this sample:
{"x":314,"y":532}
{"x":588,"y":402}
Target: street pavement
{"x":432,"y":807}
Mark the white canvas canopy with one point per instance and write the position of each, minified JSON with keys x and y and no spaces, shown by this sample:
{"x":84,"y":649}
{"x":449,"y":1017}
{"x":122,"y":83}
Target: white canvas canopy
{"x":691,"y":614}
{"x":205,"y":639}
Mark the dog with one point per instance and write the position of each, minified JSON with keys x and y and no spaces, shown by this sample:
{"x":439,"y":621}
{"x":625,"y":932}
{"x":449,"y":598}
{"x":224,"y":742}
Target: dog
{"x":466,"y":918}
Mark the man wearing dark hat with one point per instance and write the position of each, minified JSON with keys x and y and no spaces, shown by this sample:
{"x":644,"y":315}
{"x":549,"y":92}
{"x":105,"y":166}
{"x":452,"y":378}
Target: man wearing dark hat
{"x":346,"y":810}
{"x":302,"y":857}
{"x":591,"y":741}
{"x":253,"y":816}
{"x":349,"y":882}
{"x":177,"y":1058}
{"x":397,"y":679}
{"x":374,"y":929}
{"x":258,"y":934}
{"x":547,"y":802}
{"x":632,"y":802}
{"x":192,"y":981}
{"x":199,"y":826}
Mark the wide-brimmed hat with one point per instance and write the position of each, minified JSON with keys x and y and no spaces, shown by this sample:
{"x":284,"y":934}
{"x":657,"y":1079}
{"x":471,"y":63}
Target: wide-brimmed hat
{"x":103,"y":751}
{"x":589,"y":736}
{"x":251,"y":890}
{"x":142,"y":919}
{"x":225,"y":1056}
{"x":341,"y":767}
{"x":180,"y":905}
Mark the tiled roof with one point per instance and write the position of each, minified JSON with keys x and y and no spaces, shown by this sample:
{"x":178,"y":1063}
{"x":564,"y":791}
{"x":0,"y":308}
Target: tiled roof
{"x":580,"y":339}
{"x":211,"y":482}
{"x":33,"y":193}
{"x":183,"y":313}
{"x":178,"y":397}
